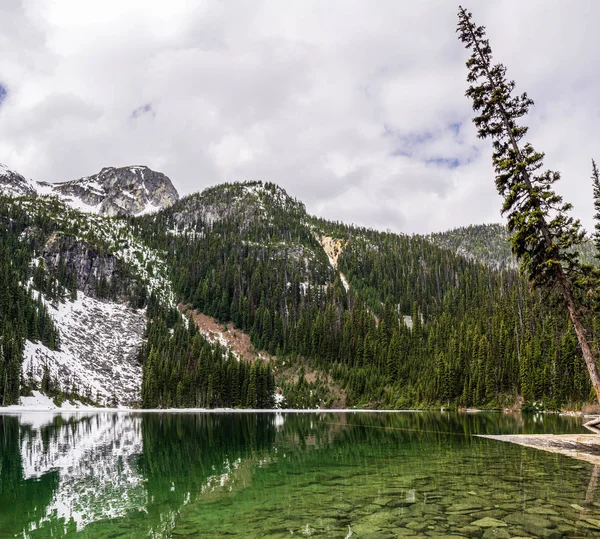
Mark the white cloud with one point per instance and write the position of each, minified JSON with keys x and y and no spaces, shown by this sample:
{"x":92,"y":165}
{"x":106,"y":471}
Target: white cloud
{"x":357,"y":108}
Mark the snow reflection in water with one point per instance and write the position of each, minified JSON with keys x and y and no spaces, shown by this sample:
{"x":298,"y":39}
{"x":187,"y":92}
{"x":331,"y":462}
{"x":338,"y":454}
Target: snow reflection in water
{"x":62,"y":473}
{"x":95,"y":457}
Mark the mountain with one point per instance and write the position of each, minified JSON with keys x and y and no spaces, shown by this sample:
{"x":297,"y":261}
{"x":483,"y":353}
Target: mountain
{"x":370,"y":318}
{"x":13,"y":184}
{"x":489,"y":244}
{"x":236,"y":296}
{"x":119,"y":191}
{"x":123,"y":191}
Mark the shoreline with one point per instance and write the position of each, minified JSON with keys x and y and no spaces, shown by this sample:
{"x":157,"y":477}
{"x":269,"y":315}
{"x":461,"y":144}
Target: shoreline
{"x":19,"y":409}
{"x":38,"y":402}
{"x":15,"y":409}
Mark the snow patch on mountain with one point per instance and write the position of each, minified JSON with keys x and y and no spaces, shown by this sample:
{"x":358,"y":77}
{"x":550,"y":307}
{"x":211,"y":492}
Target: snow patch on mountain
{"x":38,"y":402}
{"x":99,"y":343}
{"x":344,"y":281}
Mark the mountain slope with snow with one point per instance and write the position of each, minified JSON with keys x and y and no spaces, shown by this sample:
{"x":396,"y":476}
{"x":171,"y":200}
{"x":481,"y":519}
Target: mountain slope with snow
{"x":100,"y":341}
{"x":94,"y":278}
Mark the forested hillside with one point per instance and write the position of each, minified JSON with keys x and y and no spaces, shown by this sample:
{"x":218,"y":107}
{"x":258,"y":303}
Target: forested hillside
{"x":51,"y":256}
{"x":489,"y":245}
{"x":417,"y":325}
{"x":22,"y":313}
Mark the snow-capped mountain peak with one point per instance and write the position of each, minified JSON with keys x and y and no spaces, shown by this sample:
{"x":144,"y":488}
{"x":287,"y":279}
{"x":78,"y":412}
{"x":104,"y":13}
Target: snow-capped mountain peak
{"x":13,"y":184}
{"x":119,"y":191}
{"x":123,"y":191}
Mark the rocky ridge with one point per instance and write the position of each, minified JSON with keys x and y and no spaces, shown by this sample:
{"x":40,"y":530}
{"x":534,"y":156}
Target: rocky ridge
{"x":255,"y":201}
{"x":122,"y":191}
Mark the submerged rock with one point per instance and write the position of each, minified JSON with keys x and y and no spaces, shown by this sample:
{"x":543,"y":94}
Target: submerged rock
{"x":528,"y":521}
{"x":495,"y":533}
{"x":488,"y":522}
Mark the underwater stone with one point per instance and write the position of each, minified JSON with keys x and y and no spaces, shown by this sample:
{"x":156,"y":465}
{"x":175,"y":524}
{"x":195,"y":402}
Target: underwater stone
{"x":489,"y":522}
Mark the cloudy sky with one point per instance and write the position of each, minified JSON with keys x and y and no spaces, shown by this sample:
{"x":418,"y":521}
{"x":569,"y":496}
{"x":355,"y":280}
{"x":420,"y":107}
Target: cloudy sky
{"x":355,"y":107}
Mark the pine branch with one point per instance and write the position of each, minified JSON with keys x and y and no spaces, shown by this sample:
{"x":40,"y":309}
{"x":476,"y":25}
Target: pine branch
{"x":539,"y":239}
{"x":596,"y":186}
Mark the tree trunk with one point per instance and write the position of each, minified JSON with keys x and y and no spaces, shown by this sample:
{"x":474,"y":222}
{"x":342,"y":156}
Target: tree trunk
{"x":5,"y":386}
{"x":590,"y":495}
{"x":586,"y":349}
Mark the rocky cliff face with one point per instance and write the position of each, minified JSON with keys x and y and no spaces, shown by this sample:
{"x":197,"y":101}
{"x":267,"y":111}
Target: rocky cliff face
{"x":96,"y":273}
{"x":120,"y":191}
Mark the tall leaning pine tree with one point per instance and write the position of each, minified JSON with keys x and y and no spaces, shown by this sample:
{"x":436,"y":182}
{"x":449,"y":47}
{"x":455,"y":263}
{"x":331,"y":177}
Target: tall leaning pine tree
{"x":541,"y":231}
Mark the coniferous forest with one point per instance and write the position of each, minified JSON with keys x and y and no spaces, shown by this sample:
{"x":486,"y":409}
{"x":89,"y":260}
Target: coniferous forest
{"x":420,"y":325}
{"x":22,"y":313}
{"x":395,"y":321}
{"x":181,"y":368}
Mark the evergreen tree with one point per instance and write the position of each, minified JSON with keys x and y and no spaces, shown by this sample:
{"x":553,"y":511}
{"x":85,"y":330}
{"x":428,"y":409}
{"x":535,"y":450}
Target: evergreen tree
{"x":596,"y":190}
{"x":542,"y":232}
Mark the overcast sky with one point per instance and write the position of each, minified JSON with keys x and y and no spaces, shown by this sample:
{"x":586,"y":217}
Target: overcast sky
{"x":355,"y":107}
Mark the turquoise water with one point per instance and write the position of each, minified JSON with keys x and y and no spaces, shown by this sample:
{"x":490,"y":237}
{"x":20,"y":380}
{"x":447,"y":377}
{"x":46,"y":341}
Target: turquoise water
{"x":275,"y":475}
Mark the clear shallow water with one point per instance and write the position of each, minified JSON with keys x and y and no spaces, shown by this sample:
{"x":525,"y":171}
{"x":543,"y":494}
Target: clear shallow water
{"x":372,"y":475}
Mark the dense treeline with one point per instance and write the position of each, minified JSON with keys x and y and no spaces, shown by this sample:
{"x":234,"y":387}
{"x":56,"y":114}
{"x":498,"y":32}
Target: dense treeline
{"x":420,"y":325}
{"x":478,"y":334}
{"x":182,"y":369}
{"x":23,"y":314}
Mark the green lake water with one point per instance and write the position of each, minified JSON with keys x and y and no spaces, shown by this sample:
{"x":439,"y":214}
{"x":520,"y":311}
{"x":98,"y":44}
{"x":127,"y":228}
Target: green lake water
{"x":276,"y":475}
